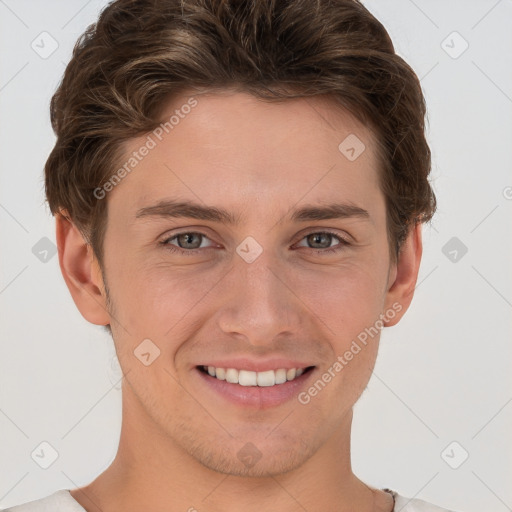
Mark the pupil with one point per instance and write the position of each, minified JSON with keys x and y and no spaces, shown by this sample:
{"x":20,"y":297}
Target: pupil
{"x":187,"y":237}
{"x":316,"y":236}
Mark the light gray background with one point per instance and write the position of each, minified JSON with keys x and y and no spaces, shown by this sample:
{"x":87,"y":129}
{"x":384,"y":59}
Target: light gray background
{"x":443,"y":373}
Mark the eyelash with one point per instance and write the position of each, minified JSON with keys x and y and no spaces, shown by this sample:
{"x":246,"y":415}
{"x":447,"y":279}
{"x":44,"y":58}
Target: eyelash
{"x":192,"y":252}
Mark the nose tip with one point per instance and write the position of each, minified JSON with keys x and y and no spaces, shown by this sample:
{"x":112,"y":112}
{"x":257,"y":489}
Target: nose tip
{"x":257,"y":303}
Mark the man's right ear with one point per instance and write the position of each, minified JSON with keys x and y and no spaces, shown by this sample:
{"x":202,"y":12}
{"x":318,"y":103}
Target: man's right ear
{"x":81,"y":271}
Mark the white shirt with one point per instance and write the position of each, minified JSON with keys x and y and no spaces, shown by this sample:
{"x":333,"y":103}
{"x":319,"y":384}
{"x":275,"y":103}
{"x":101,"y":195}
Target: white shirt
{"x":62,"y":501}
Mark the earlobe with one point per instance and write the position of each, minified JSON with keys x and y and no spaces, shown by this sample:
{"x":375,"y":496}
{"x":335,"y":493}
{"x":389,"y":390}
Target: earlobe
{"x":80,"y":270}
{"x":401,"y":287}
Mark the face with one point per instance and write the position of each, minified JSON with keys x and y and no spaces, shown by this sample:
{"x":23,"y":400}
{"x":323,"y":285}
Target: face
{"x":245,"y":238}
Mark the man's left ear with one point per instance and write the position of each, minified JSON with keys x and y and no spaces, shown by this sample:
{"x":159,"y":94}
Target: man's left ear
{"x":403,"y":277}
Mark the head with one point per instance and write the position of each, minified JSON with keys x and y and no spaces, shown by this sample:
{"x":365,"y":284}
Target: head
{"x":265,"y":115}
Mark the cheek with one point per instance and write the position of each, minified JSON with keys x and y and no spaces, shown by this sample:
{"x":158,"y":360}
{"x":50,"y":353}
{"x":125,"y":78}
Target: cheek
{"x":349,"y":305}
{"x":160,"y":300}
{"x":347,"y":298}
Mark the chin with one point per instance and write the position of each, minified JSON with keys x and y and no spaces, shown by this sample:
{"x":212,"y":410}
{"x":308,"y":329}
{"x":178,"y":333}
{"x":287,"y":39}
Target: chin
{"x":258,"y":459}
{"x":264,"y":467}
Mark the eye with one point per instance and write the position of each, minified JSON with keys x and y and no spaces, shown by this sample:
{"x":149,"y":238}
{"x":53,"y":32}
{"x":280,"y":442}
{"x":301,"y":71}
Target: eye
{"x":322,"y":240}
{"x":188,"y":242}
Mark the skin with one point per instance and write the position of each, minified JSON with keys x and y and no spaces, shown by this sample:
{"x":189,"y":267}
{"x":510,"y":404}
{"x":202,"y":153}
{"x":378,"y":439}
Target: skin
{"x":179,"y":442}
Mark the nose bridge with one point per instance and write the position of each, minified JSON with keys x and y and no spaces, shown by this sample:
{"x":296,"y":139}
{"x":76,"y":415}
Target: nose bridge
{"x":259,"y":305}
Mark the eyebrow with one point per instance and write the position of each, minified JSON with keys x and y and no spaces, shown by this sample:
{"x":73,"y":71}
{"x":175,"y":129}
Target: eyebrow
{"x":188,"y":209}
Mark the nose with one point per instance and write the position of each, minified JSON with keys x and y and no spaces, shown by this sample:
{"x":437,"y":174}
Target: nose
{"x":259,"y":301}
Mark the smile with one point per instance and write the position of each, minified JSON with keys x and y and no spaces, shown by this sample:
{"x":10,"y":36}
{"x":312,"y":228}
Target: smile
{"x":249,"y":378}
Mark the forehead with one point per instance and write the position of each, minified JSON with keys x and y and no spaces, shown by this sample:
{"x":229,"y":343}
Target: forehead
{"x":230,"y":147}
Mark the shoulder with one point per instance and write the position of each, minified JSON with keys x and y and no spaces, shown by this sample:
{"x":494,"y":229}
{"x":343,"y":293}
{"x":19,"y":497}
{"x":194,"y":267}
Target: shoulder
{"x":404,"y":504}
{"x":59,"y":501}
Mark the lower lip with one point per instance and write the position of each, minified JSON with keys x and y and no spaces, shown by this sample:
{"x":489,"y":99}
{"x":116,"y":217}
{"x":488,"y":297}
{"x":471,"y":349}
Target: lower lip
{"x":260,"y":397}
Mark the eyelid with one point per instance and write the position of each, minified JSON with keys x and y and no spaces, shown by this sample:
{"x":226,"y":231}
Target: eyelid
{"x":313,"y":230}
{"x":343,"y":240}
{"x":166,"y":238}
{"x":343,"y":235}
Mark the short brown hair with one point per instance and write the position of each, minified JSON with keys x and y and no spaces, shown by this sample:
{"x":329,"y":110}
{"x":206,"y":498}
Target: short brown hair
{"x":141,"y":53}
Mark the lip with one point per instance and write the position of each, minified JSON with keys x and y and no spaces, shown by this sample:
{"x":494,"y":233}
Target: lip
{"x":259,"y":397}
{"x":254,"y":365}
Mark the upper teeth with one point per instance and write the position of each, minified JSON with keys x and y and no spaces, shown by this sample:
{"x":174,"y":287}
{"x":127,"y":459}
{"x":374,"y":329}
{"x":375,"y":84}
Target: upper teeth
{"x":248,"y":378}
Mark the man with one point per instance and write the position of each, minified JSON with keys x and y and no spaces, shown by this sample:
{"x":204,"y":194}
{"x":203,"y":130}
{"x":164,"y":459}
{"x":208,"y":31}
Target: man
{"x":239,"y":189}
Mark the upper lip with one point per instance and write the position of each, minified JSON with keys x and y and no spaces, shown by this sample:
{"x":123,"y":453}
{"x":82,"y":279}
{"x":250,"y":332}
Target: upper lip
{"x":256,"y":365}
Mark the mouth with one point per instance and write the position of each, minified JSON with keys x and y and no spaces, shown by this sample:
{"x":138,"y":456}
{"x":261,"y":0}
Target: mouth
{"x":251,"y":389}
{"x":248,"y":378}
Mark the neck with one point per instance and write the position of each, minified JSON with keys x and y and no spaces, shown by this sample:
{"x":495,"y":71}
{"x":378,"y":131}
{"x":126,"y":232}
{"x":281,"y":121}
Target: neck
{"x":152,"y":472}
